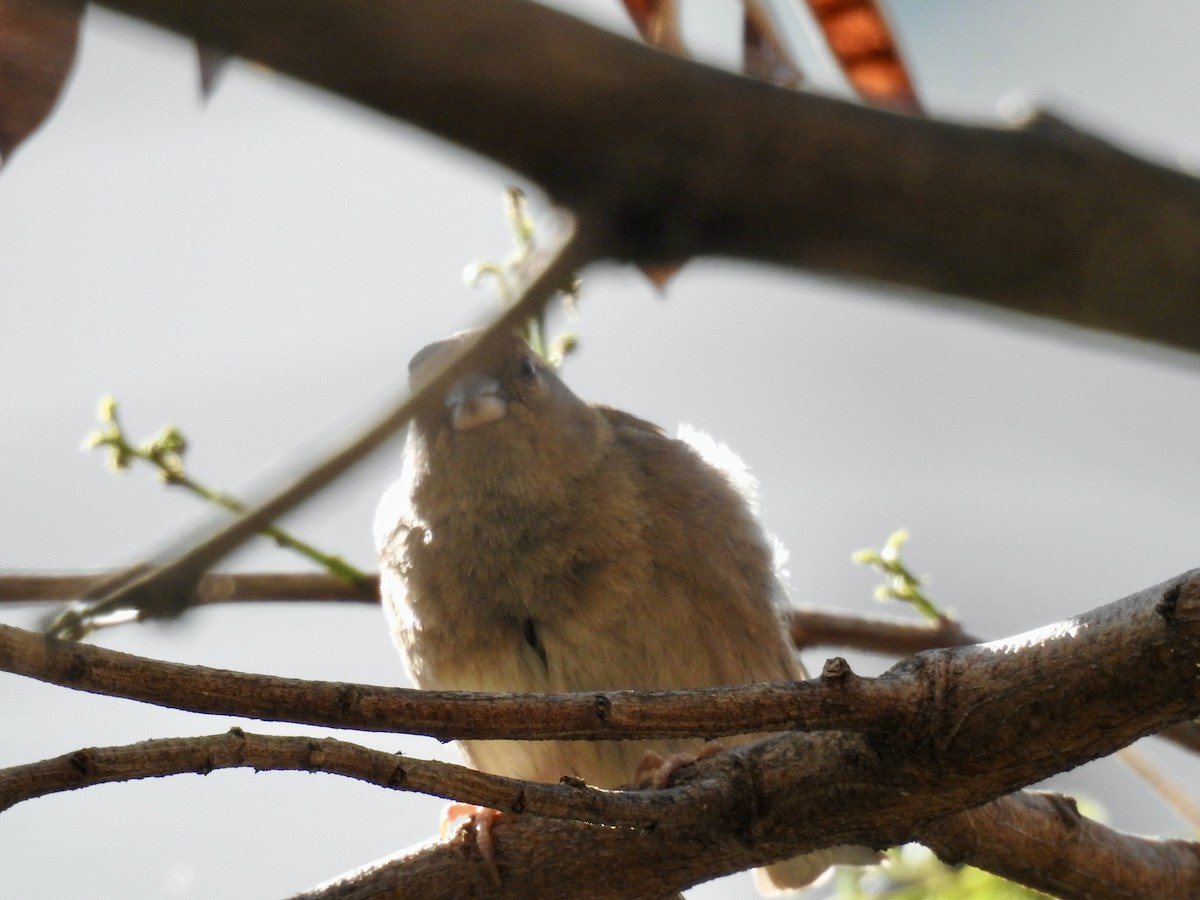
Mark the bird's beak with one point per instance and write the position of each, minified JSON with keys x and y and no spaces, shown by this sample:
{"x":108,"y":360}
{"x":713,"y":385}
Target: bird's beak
{"x":476,"y":400}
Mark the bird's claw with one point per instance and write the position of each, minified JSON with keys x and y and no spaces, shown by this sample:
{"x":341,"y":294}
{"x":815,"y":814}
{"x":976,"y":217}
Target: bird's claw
{"x":655,"y":770}
{"x":479,"y":820}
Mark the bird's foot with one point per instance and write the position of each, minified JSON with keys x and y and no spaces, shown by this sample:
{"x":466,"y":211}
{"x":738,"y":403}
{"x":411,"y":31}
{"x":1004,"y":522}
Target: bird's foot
{"x":480,"y":820}
{"x":655,"y":770}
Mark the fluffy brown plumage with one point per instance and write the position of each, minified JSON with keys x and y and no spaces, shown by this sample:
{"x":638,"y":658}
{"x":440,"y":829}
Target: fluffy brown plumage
{"x":538,"y":543}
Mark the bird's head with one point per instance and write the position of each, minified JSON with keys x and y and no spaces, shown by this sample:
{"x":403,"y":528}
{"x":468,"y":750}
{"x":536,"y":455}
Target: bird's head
{"x":510,"y":425}
{"x":484,"y":396}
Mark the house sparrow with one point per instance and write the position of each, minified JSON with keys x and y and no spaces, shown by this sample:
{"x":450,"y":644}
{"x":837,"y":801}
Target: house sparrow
{"x":538,"y":543}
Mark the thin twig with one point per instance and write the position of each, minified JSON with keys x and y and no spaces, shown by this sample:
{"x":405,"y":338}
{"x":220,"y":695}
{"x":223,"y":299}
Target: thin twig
{"x":821,"y":628}
{"x":213,"y":587}
{"x":1166,"y":788}
{"x":240,"y":749}
{"x":809,"y":627}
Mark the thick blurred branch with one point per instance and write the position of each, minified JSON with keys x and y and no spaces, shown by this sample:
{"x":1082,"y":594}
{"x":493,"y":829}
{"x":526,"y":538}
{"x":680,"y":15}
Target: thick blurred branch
{"x":663,"y":158}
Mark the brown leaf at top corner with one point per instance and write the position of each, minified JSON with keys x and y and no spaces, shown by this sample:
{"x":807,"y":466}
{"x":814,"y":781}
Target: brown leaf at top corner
{"x":866,"y":49}
{"x":210,"y":63}
{"x":657,"y":22}
{"x":764,"y":53}
{"x":37,"y":48}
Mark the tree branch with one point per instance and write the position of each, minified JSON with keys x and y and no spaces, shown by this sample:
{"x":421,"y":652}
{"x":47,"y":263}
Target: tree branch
{"x":809,"y":627}
{"x":1021,"y":837}
{"x":927,"y":747}
{"x":1042,"y":841}
{"x":823,"y":628}
{"x":1058,"y":673}
{"x":664,"y":158}
{"x":240,"y":749}
{"x":1036,"y":839}
{"x":445,"y":715}
{"x":214,"y":587}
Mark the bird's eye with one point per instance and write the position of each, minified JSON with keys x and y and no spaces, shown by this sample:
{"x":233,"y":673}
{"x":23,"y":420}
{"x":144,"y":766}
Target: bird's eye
{"x":528,"y":369}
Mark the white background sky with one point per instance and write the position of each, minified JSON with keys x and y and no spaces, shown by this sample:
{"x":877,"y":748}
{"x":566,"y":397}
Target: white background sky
{"x":259,"y":272}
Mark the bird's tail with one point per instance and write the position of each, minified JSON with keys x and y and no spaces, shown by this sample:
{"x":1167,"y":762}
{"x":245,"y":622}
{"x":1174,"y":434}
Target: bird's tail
{"x":801,"y":871}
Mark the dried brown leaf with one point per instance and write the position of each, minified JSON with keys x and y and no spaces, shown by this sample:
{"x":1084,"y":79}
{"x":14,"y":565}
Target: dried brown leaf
{"x":37,"y":48}
{"x":764,"y":53}
{"x":865,"y":48}
{"x":657,"y":22}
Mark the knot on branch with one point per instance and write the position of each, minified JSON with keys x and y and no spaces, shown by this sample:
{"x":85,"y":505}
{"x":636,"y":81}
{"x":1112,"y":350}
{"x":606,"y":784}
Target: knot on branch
{"x":1179,"y":598}
{"x":1168,"y":602}
{"x":602,"y":707}
{"x":749,"y":799}
{"x":316,"y":754}
{"x":348,"y":698}
{"x":83,"y":762}
{"x":80,"y":667}
{"x":1067,"y":810}
{"x":236,"y":738}
{"x":836,"y":670}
